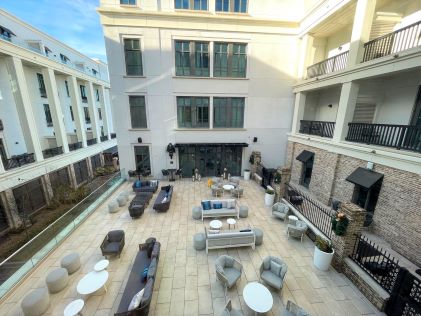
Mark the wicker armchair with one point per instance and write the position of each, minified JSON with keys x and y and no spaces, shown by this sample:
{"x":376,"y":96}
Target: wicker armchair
{"x":113,"y":243}
{"x":297,"y":230}
{"x":228,"y":271}
{"x":229,"y":311}
{"x":237,"y":192}
{"x":280,"y":210}
{"x":273,"y":271}
{"x":293,"y":309}
{"x":216,"y":190}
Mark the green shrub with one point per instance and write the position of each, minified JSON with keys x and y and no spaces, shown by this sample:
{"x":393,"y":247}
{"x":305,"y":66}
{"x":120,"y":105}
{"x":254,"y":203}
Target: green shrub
{"x":323,"y":244}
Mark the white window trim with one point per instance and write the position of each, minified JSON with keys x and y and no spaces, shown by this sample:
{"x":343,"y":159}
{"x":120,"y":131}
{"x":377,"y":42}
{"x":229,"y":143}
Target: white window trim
{"x":136,"y":94}
{"x":123,"y":54}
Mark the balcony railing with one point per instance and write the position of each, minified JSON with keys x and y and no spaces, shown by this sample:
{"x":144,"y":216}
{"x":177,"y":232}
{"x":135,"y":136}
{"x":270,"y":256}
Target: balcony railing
{"x":75,"y":146}
{"x":18,"y":161}
{"x":329,"y":65}
{"x":113,"y":135}
{"x":104,"y":138}
{"x":406,"y":137}
{"x":400,"y":40}
{"x":51,"y":152}
{"x":317,"y":128}
{"x":91,"y":141}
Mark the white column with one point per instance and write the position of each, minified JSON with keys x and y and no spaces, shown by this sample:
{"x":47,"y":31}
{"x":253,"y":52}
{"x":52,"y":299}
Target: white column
{"x":93,"y":111}
{"x":24,"y":107}
{"x":299,"y":108}
{"x":77,"y":110}
{"x":104,"y":111}
{"x":306,"y":47}
{"x":361,"y":29}
{"x":55,"y":108}
{"x":2,"y":170}
{"x":346,"y":108}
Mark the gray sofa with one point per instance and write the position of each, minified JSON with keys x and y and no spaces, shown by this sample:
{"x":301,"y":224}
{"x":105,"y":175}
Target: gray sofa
{"x":230,"y":208}
{"x":230,"y":239}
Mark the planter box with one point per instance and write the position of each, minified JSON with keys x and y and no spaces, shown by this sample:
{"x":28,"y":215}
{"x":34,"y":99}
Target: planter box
{"x":246,"y":175}
{"x":321,"y":259}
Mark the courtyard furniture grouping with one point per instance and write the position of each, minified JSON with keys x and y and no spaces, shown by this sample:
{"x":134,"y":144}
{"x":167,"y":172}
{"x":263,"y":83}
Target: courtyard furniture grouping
{"x":220,"y":208}
{"x":163,"y":200}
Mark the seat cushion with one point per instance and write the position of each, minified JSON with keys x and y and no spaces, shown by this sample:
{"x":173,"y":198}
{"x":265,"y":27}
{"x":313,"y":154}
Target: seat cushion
{"x":232,"y":275}
{"x":275,"y":267}
{"x":115,"y":235}
{"x":271,"y":279}
{"x":152,"y":268}
{"x":113,"y":247}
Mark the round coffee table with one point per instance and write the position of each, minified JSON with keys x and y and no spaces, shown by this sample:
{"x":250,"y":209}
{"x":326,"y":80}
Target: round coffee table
{"x":231,"y":221}
{"x":92,"y":282}
{"x":101,"y":265}
{"x":257,"y":297}
{"x":215,"y":224}
{"x":74,"y":308}
{"x":228,"y":187}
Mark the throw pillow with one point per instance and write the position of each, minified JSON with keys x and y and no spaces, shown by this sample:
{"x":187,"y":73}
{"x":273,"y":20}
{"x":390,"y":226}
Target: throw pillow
{"x":152,"y":269}
{"x":145,"y":274}
{"x":136,"y":300}
{"x":206,"y":205}
{"x":275,"y":267}
{"x":137,"y":184}
{"x":217,"y":205}
{"x":156,"y":249}
{"x":283,"y":271}
{"x":168,"y":188}
{"x":230,"y":204}
{"x":147,"y":295}
{"x":224,"y":204}
{"x":164,"y":200}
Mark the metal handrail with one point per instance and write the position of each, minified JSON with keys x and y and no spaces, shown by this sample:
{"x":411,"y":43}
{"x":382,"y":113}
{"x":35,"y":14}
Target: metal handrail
{"x":329,"y":65}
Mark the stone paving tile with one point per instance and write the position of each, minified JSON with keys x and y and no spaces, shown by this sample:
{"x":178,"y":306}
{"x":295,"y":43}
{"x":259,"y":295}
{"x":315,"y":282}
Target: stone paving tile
{"x":186,"y":283}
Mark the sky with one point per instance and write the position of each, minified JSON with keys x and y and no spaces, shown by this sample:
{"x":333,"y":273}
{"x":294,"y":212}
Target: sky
{"x":73,"y":22}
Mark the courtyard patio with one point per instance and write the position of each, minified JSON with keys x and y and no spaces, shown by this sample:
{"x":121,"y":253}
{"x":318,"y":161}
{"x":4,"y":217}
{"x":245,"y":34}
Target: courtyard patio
{"x":186,"y":283}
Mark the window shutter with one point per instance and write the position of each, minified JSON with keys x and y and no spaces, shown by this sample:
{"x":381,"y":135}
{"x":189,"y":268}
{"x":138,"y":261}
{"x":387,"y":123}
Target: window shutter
{"x":364,"y":113}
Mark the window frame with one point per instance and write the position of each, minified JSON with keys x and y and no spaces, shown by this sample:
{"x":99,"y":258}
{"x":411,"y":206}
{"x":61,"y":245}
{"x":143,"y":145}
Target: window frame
{"x":231,"y":6}
{"x":41,"y":85}
{"x":230,"y":54}
{"x":72,"y":115}
{"x":145,"y":109}
{"x":87,"y":115}
{"x":193,"y":110}
{"x":191,"y":5}
{"x":66,"y":84}
{"x":193,"y":70}
{"x":304,"y":167}
{"x":141,"y":49}
{"x":229,"y":106}
{"x":48,"y":117}
{"x":83,"y":95}
{"x":129,"y":4}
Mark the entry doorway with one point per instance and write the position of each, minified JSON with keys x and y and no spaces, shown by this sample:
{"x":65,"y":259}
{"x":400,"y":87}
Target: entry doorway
{"x":142,"y":159}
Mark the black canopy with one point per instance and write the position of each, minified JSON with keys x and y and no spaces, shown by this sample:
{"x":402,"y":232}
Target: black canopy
{"x":6,"y":30}
{"x":364,"y":177}
{"x":305,"y":156}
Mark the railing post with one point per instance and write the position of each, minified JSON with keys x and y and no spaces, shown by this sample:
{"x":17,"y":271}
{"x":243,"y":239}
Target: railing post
{"x":404,"y":131}
{"x":402,"y":287}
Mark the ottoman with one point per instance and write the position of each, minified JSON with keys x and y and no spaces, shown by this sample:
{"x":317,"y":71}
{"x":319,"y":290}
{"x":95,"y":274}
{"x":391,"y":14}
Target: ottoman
{"x":244,"y":211}
{"x":36,"y":302}
{"x":126,"y":194}
{"x":199,"y":241}
{"x":121,"y":200}
{"x":71,"y":262}
{"x":57,"y":280}
{"x":197,"y":212}
{"x":113,"y":206}
{"x":259,"y":236}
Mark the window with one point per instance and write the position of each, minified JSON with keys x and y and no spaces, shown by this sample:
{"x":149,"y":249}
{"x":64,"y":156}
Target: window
{"x":41,"y":85}
{"x":128,"y":2}
{"x":306,"y":172}
{"x":64,"y":59}
{"x":71,"y":114}
{"x":230,"y":60}
{"x":59,"y":178}
{"x":95,"y":162}
{"x":142,"y":159}
{"x":367,"y":199}
{"x":231,"y":6}
{"x":97,"y":94}
{"x":48,"y":118}
{"x":67,"y":88}
{"x":191,"y":58}
{"x":228,"y":112}
{"x":81,"y":171}
{"x":94,"y":72}
{"x":83,"y":94}
{"x":99,"y":114}
{"x":29,"y":197}
{"x":138,"y":111}
{"x":87,"y":116}
{"x":193,"y":112}
{"x":133,"y":57}
{"x":191,"y":4}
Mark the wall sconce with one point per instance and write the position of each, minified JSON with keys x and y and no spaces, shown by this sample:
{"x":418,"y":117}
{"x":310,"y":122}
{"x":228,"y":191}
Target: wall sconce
{"x":329,"y":105}
{"x":170,"y":150}
{"x":254,"y":139}
{"x":139,"y":140}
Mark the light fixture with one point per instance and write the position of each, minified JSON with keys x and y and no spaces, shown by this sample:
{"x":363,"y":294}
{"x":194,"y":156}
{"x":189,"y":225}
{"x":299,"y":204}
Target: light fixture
{"x":170,"y":150}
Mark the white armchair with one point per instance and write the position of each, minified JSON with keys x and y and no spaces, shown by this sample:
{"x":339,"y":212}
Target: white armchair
{"x":273,"y":271}
{"x":280,"y":210}
{"x":228,"y":270}
{"x":297,"y":230}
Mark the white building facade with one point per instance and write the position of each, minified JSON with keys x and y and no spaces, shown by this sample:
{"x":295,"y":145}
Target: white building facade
{"x":55,"y":117}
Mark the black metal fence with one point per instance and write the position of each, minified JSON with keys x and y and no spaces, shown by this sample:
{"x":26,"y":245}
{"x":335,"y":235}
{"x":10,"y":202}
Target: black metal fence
{"x":75,"y":146}
{"x":91,"y":141}
{"x":406,"y":137}
{"x":104,"y":138}
{"x":113,"y":135}
{"x":51,"y":152}
{"x":19,"y":160}
{"x":318,"y":214}
{"x":400,"y":40}
{"x":329,"y":65}
{"x":318,"y":128}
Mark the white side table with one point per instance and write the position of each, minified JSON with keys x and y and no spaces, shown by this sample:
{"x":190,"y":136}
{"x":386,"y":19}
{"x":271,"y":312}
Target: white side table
{"x":101,"y":265}
{"x":215,"y":224}
{"x":74,"y":308}
{"x":257,"y":297}
{"x":231,"y":221}
{"x":228,"y":187}
{"x":92,"y":282}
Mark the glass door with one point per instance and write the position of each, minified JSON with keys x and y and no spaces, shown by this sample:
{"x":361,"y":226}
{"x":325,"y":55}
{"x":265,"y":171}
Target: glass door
{"x":142,"y":159}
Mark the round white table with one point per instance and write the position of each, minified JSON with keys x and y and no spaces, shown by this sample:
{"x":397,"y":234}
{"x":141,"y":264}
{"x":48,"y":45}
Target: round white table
{"x":257,"y":297}
{"x":231,"y":221}
{"x":228,"y":187}
{"x":74,"y":308}
{"x":101,"y":265}
{"x":215,"y":224}
{"x":92,"y":282}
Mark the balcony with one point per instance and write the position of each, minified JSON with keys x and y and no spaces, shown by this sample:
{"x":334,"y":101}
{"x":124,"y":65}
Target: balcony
{"x":392,"y":43}
{"x":317,"y":128}
{"x":18,"y":161}
{"x":51,"y":152}
{"x":327,"y":66}
{"x":75,"y":146}
{"x":113,"y":135}
{"x":91,"y":141}
{"x":407,"y":137}
{"x":104,"y":138}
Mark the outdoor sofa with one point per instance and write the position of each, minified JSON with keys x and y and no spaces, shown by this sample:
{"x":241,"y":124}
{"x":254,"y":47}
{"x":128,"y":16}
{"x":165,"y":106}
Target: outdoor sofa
{"x":220,"y":208}
{"x":163,"y":200}
{"x":230,"y":239}
{"x":145,"y":185}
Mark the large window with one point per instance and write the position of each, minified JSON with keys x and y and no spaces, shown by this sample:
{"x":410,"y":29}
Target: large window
{"x":71,"y":114}
{"x":142,"y":159}
{"x":191,"y":4}
{"x":87,"y":116}
{"x":128,"y":2}
{"x":29,"y":197}
{"x":138,"y":111}
{"x":41,"y":85}
{"x":95,"y":162}
{"x":192,"y":58}
{"x":133,"y":57}
{"x":67,"y":88}
{"x":306,"y":171}
{"x":193,"y":112}
{"x":83,"y":94}
{"x":81,"y":171}
{"x":231,"y":6}
{"x":48,"y":118}
{"x":230,"y":60}
{"x":228,"y":112}
{"x":59,"y":178}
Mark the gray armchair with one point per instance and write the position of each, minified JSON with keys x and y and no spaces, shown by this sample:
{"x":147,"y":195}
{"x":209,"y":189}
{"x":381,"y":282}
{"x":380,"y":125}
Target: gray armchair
{"x":237,"y":192}
{"x":293,"y":309}
{"x":280,"y":210}
{"x":228,"y":270}
{"x":229,"y":311}
{"x":273,"y":271}
{"x":113,"y":243}
{"x":297,"y":230}
{"x":216,"y":190}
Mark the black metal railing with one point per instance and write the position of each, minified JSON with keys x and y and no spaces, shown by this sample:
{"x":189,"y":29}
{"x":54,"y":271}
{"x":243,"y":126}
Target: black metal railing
{"x":377,"y":262}
{"x":51,"y":152}
{"x":75,"y":146}
{"x":91,"y":141}
{"x":407,"y":137}
{"x":329,"y":65}
{"x":318,"y":214}
{"x":318,"y":128}
{"x":113,"y":135}
{"x":391,"y":43}
{"x":104,"y":138}
{"x":18,"y":161}
{"x":1,"y":125}
{"x":85,"y":99}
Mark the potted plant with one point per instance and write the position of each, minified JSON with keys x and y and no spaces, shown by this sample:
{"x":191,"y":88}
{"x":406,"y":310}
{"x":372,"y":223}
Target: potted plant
{"x":246,"y":174}
{"x":269,"y":196}
{"x":340,"y":223}
{"x":277,"y":178}
{"x":323,"y":253}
